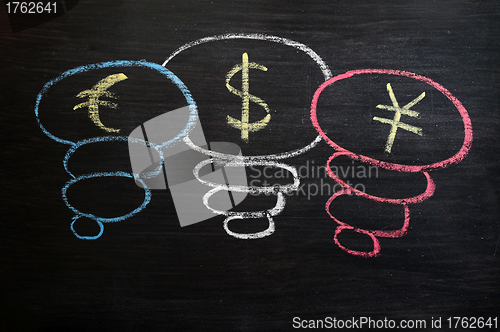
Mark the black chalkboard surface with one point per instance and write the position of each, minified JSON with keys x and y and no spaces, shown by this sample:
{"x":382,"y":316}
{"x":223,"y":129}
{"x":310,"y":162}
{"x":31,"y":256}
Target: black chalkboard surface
{"x":397,"y":99}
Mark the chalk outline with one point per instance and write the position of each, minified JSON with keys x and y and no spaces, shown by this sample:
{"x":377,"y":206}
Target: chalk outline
{"x":119,"y":64}
{"x":241,"y":161}
{"x":429,"y":191}
{"x":227,"y":160}
{"x":459,"y":156}
{"x":193,"y":118}
{"x":101,"y":220}
{"x":327,"y":74}
{"x":430,"y":188}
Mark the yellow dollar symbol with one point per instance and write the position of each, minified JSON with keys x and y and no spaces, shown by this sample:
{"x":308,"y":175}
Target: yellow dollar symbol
{"x":246,"y":97}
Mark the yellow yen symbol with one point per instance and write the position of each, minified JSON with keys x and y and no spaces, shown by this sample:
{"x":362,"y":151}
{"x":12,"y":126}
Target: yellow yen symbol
{"x":395,"y":123}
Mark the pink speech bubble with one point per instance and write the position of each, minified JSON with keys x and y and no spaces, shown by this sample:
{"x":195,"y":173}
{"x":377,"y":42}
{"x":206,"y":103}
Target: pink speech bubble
{"x":464,"y":150}
{"x":429,"y":191}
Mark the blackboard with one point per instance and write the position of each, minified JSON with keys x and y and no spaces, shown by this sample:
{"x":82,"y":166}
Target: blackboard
{"x":67,"y":265}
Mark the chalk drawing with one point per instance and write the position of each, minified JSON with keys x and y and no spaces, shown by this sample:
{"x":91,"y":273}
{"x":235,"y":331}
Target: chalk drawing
{"x":193,"y":117}
{"x":101,"y":220}
{"x":456,"y":158}
{"x":398,"y":111}
{"x":430,"y":188}
{"x":186,"y":191}
{"x":228,"y":160}
{"x":262,"y":160}
{"x":246,"y":97}
{"x":327,"y":74}
{"x":100,"y":90}
{"x":121,"y":64}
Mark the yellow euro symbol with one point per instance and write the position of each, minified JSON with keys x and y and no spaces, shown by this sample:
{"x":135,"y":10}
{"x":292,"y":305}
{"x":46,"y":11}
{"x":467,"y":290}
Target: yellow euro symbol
{"x":100,"y":90}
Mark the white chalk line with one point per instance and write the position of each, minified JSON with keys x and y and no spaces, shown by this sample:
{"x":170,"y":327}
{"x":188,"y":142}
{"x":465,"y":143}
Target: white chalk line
{"x":278,"y":190}
{"x":227,"y":160}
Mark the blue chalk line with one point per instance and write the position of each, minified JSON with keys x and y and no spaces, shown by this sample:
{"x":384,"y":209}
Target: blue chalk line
{"x":193,"y":118}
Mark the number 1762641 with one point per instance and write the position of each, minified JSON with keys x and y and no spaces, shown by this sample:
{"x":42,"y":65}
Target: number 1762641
{"x":15,"y":7}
